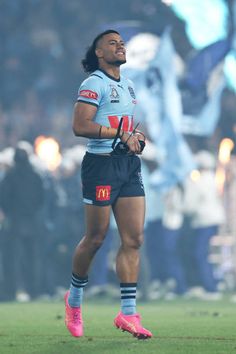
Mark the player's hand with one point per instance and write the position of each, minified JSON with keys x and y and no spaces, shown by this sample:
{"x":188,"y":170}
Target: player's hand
{"x":141,"y":138}
{"x":132,"y":142}
{"x":140,"y":135}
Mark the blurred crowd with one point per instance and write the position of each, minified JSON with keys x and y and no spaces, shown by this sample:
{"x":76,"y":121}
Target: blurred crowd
{"x":41,"y":221}
{"x":42,"y":44}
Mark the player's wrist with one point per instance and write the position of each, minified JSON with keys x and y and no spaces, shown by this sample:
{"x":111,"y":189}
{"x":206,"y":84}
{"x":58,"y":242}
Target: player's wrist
{"x":110,"y":133}
{"x":106,"y":132}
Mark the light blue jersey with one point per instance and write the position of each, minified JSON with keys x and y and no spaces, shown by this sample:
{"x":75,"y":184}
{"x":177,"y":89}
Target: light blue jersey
{"x":114,"y":99}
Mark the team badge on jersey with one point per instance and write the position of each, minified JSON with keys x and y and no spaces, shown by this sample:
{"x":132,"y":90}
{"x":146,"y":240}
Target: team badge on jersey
{"x":131,"y":91}
{"x":114,"y":95}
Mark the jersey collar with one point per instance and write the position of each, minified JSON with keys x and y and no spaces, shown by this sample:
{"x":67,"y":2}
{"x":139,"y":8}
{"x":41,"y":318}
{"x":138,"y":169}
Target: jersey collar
{"x":110,"y":77}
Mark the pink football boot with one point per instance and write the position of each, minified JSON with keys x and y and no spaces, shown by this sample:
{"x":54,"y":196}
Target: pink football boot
{"x":73,"y":318}
{"x":132,"y":324}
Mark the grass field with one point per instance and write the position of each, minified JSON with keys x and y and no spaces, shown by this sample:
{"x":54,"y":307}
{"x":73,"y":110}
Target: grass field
{"x":179,"y":326}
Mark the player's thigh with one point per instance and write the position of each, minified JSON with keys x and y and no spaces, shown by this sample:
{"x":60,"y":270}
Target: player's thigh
{"x":129,"y":213}
{"x":97,"y":219}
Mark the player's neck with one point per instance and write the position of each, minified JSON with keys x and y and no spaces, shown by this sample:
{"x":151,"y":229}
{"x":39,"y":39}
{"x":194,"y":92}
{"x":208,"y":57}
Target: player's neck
{"x":111,"y":70}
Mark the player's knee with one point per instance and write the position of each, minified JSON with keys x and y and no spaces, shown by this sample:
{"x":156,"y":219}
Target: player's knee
{"x":139,"y":241}
{"x":92,"y":242}
{"x":135,"y":241}
{"x":96,"y":240}
{"x":96,"y":243}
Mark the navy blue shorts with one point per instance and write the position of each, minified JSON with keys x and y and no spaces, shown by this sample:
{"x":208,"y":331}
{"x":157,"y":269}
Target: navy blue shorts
{"x":106,"y":178}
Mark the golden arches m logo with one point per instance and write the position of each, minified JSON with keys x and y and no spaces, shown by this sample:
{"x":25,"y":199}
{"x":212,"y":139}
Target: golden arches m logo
{"x":103,"y":193}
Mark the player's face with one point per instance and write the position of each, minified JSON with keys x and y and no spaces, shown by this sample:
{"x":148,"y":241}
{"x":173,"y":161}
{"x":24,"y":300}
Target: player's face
{"x":111,"y":49}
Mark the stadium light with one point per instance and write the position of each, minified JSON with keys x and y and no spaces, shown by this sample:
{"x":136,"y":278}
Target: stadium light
{"x":48,"y":150}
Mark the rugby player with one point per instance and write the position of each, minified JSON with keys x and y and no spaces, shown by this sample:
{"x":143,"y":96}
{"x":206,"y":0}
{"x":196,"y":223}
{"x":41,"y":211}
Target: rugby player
{"x":111,"y":179}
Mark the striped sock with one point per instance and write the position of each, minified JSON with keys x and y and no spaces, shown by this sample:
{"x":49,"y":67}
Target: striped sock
{"x":128,"y":298}
{"x":76,"y":290}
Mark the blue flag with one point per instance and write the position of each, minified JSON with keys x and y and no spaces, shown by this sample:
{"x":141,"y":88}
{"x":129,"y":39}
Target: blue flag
{"x":194,"y":85}
{"x":176,"y":160}
{"x":160,"y":108}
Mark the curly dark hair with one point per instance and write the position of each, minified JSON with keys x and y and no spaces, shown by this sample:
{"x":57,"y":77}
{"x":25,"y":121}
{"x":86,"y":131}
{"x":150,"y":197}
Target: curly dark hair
{"x":90,"y":62}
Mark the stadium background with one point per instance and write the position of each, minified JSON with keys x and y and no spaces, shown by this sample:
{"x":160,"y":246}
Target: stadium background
{"x":42,"y":43}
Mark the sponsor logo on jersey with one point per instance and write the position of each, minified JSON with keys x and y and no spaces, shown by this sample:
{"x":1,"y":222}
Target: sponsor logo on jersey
{"x":88,"y":94}
{"x":103,"y":193}
{"x":131,"y":91}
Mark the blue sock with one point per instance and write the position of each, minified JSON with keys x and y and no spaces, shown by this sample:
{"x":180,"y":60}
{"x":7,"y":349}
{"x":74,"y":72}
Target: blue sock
{"x":76,"y":290}
{"x":128,"y":298}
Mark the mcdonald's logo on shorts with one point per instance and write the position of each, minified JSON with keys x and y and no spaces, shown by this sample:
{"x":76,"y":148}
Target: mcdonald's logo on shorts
{"x":103,"y":193}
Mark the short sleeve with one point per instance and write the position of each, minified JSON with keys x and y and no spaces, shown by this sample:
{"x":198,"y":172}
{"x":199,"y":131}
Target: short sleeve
{"x":91,"y":90}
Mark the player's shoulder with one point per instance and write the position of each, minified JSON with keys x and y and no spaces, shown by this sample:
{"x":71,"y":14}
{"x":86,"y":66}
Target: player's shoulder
{"x":93,"y":78}
{"x":92,"y":88}
{"x":97,"y":75}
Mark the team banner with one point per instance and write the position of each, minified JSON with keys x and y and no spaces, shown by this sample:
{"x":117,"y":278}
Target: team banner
{"x":159,"y":103}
